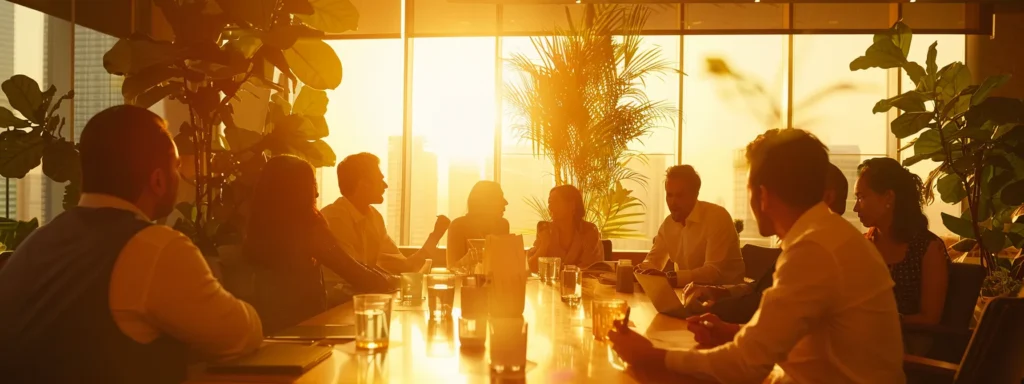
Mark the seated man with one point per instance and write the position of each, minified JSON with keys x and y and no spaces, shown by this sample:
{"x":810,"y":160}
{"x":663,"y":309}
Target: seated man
{"x":699,"y":237}
{"x":102,"y":295}
{"x":737,"y":302}
{"x":359,"y":228}
{"x":830,"y":316}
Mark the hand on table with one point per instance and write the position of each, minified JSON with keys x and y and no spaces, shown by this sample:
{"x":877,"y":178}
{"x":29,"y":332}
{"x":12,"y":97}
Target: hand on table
{"x":703,"y":295}
{"x":710,"y":331}
{"x":633,"y":348}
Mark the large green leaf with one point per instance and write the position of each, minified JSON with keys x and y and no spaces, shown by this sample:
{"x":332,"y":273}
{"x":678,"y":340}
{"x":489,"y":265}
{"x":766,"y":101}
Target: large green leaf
{"x":8,"y":120}
{"x":136,"y":84}
{"x":933,"y":52}
{"x":959,"y":226}
{"x":882,"y":54}
{"x":1013,"y":194}
{"x":284,"y":37}
{"x":929,"y":144}
{"x":915,"y":72}
{"x":319,"y":128}
{"x":240,"y":139}
{"x":902,"y":35}
{"x":297,"y":7}
{"x":953,"y":79}
{"x":310,"y":102}
{"x":910,"y":123}
{"x":24,"y":95}
{"x":131,"y":56}
{"x":20,"y":152}
{"x":911,"y":101}
{"x":154,"y":95}
{"x":14,"y":232}
{"x":319,"y":154}
{"x":950,"y":188}
{"x":332,"y":16}
{"x":61,"y":162}
{"x":994,"y":240}
{"x":964,"y":245}
{"x":315,"y":63}
{"x":987,"y":86}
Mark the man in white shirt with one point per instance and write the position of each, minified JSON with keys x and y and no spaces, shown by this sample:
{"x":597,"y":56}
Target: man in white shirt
{"x":359,"y":228}
{"x":100,"y":294}
{"x":699,"y":237}
{"x":830,"y":316}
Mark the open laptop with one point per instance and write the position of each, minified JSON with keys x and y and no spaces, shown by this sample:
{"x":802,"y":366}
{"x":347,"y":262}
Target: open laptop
{"x":663,"y":296}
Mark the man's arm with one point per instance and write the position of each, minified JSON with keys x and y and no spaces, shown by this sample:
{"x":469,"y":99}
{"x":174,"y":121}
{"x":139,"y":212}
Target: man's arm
{"x":722,"y":260}
{"x":659,"y":253}
{"x":805,"y":288}
{"x":186,"y":302}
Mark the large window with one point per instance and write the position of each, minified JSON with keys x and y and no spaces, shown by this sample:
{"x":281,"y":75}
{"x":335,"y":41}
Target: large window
{"x":453,"y":115}
{"x":365,"y":115}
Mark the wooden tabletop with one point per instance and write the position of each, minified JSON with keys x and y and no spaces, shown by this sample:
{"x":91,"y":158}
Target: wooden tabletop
{"x":560,"y":347}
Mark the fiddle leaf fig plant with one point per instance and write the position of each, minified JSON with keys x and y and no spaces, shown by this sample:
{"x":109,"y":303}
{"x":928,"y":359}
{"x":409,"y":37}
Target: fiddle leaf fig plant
{"x":222,"y":52}
{"x":975,"y":140}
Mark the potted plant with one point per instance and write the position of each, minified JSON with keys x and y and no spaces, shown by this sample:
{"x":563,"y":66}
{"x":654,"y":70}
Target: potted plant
{"x":36,"y":137}
{"x":976,"y":141}
{"x":222,"y":51}
{"x":583,"y":103}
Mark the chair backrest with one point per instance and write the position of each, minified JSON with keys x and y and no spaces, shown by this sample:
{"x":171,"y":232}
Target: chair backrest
{"x":759,"y":260}
{"x":607,"y":245}
{"x":4,"y":256}
{"x":996,"y":350}
{"x":962,"y":294}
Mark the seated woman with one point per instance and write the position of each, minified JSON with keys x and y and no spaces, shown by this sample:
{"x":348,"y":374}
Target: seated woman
{"x":486,"y":205}
{"x":567,"y":236}
{"x":286,"y":242}
{"x":889,"y":200}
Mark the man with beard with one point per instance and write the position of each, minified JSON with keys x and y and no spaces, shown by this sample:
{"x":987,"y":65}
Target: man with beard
{"x":698,"y":236}
{"x":101,"y":294}
{"x":830,"y":316}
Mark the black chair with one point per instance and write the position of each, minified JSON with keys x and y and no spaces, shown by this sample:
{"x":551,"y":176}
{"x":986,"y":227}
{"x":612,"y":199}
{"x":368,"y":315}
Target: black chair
{"x":994,"y":355}
{"x":951,"y":335}
{"x":607,"y":245}
{"x":759,"y":261}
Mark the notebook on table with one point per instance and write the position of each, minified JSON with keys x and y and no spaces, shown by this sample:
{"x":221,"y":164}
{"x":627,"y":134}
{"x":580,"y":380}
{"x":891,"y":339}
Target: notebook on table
{"x":335,"y":332}
{"x":275,"y":359}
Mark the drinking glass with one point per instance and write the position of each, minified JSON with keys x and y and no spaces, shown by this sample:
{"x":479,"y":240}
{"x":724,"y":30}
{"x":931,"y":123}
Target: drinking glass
{"x":440,"y":294}
{"x":572,"y":280}
{"x":412,"y":288}
{"x":508,"y":346}
{"x":606,"y":311}
{"x":548,"y":268}
{"x":373,"y":320}
{"x":473,"y":322}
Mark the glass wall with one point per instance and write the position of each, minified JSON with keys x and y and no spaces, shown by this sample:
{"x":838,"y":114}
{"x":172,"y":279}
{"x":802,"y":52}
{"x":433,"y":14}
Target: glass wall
{"x":456,"y":127}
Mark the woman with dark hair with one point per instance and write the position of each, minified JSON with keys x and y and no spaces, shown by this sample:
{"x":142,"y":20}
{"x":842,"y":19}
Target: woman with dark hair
{"x":567,"y":235}
{"x":889,"y":201}
{"x":486,"y":207}
{"x":287,"y":241}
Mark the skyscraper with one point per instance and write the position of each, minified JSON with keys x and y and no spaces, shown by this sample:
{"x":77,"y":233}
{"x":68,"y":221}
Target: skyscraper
{"x":423,"y":199}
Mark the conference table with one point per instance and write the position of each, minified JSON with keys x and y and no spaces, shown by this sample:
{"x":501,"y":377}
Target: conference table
{"x":560,"y":346}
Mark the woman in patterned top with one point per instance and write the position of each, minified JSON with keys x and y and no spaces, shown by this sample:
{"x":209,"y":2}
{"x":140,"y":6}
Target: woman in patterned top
{"x":889,"y":200}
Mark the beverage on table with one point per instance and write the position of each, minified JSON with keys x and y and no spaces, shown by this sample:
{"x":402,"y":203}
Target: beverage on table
{"x":508,"y":347}
{"x":548,"y":269}
{"x":412,"y":288}
{"x":473,"y":322}
{"x":624,"y":276}
{"x":440,"y":294}
{"x":373,"y":320}
{"x":605,"y":312}
{"x":572,"y":279}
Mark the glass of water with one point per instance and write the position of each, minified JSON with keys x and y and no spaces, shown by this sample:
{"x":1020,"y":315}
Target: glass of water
{"x":440,"y":294}
{"x":412,"y":288}
{"x":373,"y":320}
{"x":548,"y":268}
{"x":572,"y":284}
{"x":508,"y":347}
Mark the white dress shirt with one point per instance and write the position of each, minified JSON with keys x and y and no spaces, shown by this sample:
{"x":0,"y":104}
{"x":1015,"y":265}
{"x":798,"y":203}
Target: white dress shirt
{"x":363,"y":236}
{"x":706,"y":249}
{"x":830,"y":317}
{"x":161,"y":284}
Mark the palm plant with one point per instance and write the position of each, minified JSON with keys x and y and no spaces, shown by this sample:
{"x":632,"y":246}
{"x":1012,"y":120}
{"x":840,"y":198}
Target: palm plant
{"x":583,"y":103}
